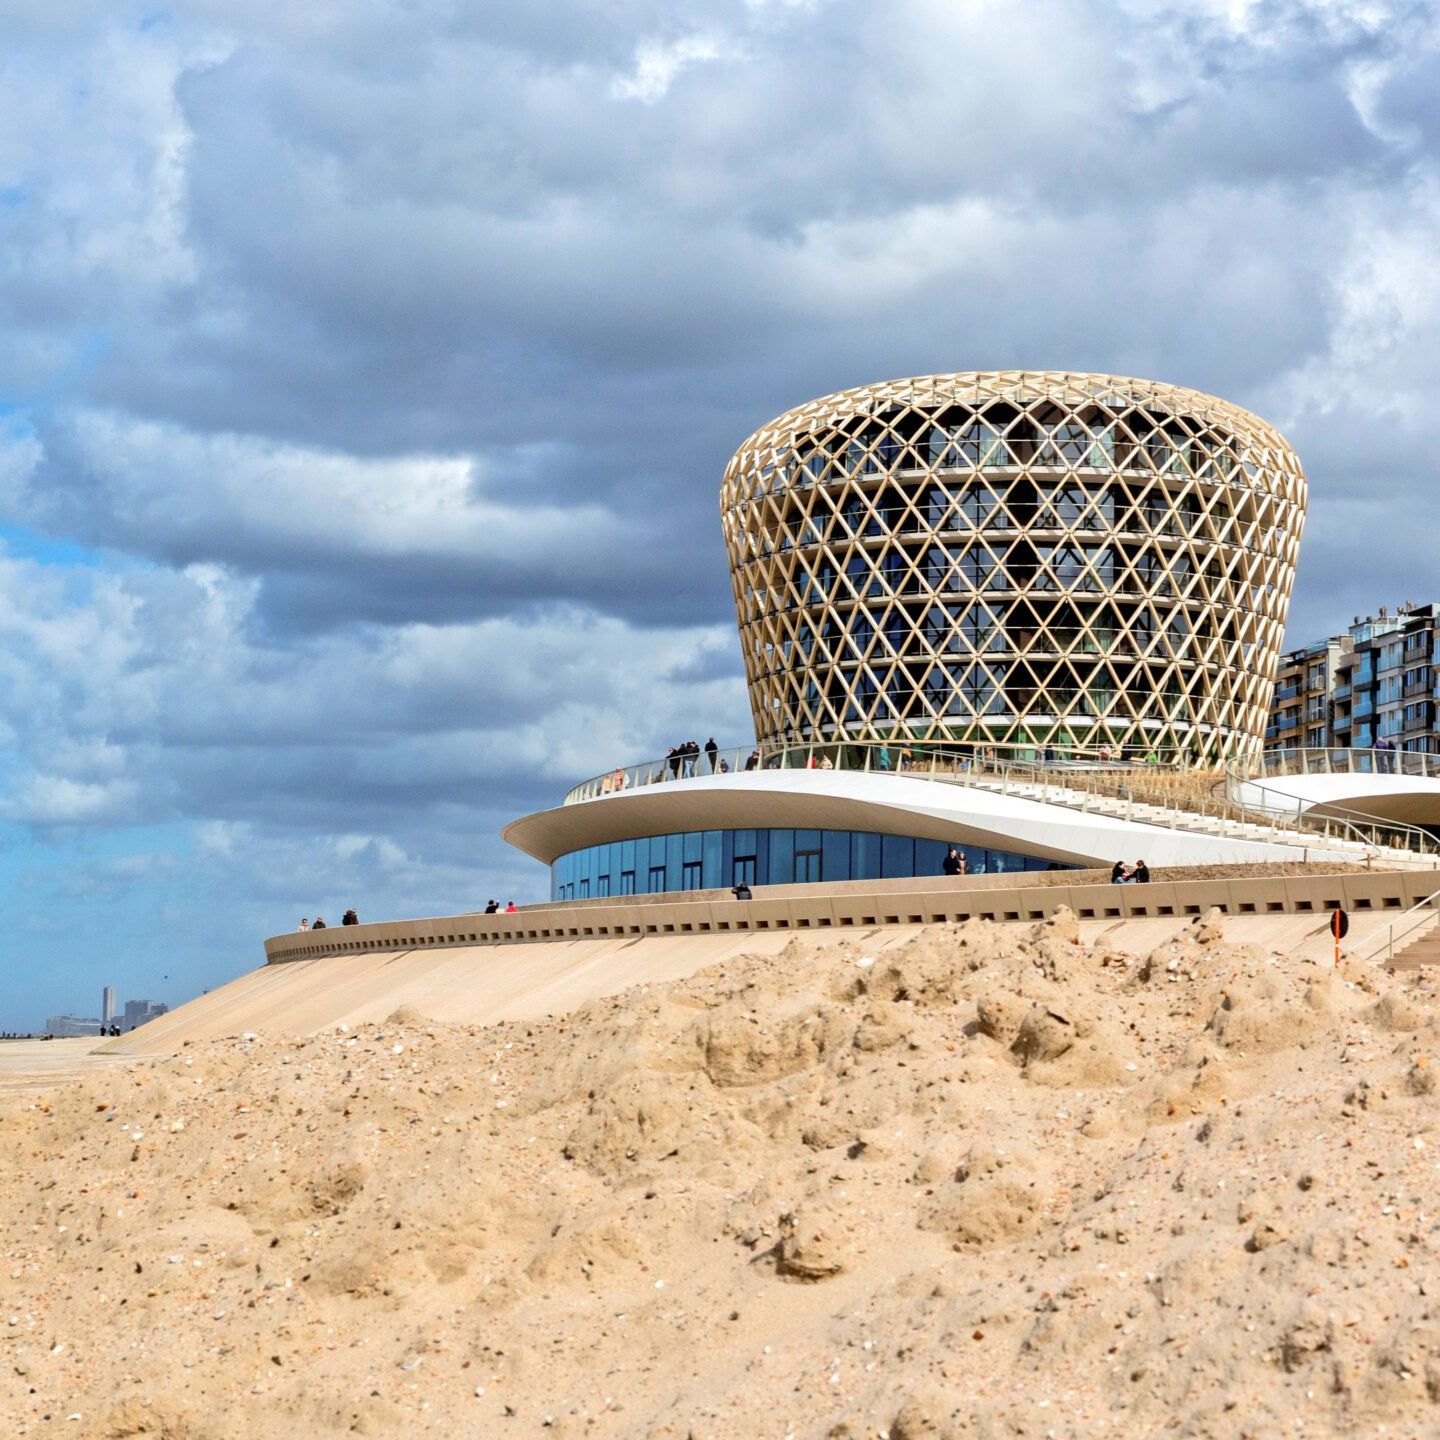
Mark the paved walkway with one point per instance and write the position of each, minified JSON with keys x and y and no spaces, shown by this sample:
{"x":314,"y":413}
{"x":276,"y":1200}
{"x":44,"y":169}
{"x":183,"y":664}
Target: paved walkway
{"x":38,"y":1064}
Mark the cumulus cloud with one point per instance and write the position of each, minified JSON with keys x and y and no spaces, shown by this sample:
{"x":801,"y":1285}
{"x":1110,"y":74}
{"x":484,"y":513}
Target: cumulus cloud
{"x":658,"y":63}
{"x":367,"y":371}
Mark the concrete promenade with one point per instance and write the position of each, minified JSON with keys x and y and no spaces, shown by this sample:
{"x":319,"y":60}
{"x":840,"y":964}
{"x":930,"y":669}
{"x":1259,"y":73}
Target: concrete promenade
{"x":478,"y":970}
{"x":931,"y":900}
{"x":39,"y":1064}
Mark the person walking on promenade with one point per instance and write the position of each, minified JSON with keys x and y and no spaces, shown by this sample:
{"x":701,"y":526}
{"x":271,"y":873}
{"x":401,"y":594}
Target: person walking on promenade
{"x":672,"y":761}
{"x":304,"y":923}
{"x":349,"y":918}
{"x":954,"y":862}
{"x":510,"y":908}
{"x":319,"y":923}
{"x":493,"y":907}
{"x":1141,"y":873}
{"x":711,"y":751}
{"x":753,"y":763}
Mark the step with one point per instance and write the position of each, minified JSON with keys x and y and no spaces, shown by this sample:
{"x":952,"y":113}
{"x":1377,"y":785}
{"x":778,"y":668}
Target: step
{"x":1422,"y":951}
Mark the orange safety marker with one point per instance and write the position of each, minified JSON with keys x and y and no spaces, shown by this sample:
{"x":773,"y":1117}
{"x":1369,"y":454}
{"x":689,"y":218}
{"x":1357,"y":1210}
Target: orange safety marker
{"x":1339,"y":928}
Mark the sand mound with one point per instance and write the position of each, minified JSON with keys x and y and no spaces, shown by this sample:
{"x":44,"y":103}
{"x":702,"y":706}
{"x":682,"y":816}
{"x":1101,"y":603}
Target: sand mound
{"x":995,"y":1182}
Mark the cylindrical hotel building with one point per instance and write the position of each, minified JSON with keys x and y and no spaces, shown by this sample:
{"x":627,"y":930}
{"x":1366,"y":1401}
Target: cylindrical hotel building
{"x":1015,"y":559}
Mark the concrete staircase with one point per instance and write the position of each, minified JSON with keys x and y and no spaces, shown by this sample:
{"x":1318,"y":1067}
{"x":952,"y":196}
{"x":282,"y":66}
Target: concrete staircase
{"x":1417,"y":952}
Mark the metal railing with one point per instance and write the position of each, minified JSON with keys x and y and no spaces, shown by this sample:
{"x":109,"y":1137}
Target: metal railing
{"x":1154,"y":788}
{"x":899,"y":757}
{"x":1399,"y":928}
{"x":1335,"y":760}
{"x":1335,"y":821}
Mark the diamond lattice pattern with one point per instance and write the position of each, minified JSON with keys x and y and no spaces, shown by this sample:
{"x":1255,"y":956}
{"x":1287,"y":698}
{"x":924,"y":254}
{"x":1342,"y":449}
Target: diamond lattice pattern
{"x":1016,"y":559}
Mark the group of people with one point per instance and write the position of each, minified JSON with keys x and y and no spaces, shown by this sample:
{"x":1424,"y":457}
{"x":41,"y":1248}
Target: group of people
{"x":955,"y":862}
{"x":493,"y":908}
{"x":318,"y":923}
{"x":682,"y":760}
{"x":1136,"y":874}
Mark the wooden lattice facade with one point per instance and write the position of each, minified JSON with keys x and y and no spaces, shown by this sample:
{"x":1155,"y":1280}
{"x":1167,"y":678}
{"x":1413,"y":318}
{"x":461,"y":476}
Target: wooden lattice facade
{"x":1015,"y":559}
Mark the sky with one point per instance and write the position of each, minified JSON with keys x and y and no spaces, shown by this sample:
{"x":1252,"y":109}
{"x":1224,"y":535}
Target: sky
{"x":368,"y":370}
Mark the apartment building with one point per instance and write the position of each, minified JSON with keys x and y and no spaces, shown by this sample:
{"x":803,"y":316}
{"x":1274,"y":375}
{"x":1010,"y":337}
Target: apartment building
{"x":1378,"y":681}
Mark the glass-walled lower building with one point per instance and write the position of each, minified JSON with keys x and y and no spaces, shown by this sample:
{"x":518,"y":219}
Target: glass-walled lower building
{"x":718,"y":859}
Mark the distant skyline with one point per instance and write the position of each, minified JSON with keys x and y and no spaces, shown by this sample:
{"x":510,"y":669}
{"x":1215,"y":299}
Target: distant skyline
{"x":368,"y":371}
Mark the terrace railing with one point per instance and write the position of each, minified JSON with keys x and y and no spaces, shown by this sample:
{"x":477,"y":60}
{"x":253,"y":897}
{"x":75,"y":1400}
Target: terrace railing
{"x":921,"y":759}
{"x":1334,"y":760}
{"x":1152,"y":788}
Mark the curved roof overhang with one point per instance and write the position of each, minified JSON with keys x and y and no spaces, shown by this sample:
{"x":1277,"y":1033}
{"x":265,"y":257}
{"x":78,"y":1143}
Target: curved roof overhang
{"x":1403,"y":799}
{"x":887,"y":804}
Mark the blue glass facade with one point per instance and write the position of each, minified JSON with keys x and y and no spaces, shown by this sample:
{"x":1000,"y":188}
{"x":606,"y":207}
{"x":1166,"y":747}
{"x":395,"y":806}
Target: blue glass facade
{"x":718,"y":859}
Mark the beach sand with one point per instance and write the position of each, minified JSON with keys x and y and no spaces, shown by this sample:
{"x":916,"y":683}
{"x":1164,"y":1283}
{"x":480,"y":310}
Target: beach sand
{"x":989,"y":1181}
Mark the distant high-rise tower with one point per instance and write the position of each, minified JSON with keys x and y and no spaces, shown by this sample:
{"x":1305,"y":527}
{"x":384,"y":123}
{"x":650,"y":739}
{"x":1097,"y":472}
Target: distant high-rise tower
{"x":107,"y":1005}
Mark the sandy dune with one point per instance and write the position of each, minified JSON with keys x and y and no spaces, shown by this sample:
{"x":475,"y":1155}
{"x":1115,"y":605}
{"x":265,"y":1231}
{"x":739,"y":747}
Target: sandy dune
{"x":976,"y":1181}
{"x":480,"y":984}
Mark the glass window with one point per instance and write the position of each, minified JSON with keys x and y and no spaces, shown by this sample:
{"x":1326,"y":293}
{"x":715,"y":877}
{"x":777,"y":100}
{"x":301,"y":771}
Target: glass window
{"x":1067,"y":504}
{"x":980,"y":629}
{"x":892,"y":569}
{"x":782,"y":857}
{"x":977,"y":504}
{"x":860,"y":575}
{"x":979,"y":444}
{"x":897,"y":857}
{"x":978,"y":568}
{"x":937,"y":507}
{"x":864,"y":856}
{"x":777,"y":857}
{"x":712,"y":858}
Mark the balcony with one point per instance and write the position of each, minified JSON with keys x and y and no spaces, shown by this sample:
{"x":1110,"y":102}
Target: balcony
{"x":1414,"y":688}
{"x":1340,"y":692}
{"x":1287,"y":692}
